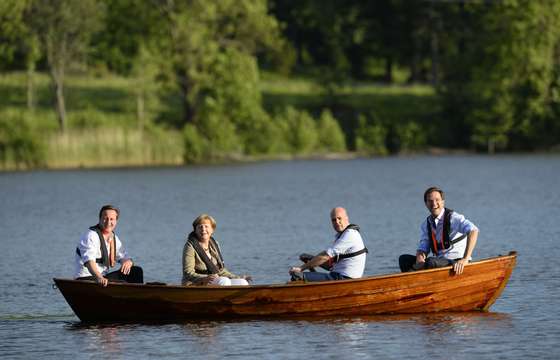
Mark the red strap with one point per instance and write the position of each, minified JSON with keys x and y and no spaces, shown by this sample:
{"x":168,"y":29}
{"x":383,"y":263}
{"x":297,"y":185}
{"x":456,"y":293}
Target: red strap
{"x":434,"y":239}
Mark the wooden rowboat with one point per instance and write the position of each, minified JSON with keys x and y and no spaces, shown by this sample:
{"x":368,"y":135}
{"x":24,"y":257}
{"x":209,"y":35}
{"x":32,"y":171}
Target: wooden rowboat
{"x":426,"y":291}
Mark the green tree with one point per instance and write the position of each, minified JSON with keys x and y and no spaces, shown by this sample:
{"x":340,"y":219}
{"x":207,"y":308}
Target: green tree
{"x":21,"y":146}
{"x":213,"y":139}
{"x":128,"y":25}
{"x":499,"y":84}
{"x":299,"y":130}
{"x":64,"y":28}
{"x":331,"y":137}
{"x":11,"y":27}
{"x":322,"y":46}
{"x":200,"y":33}
{"x":17,"y":36}
{"x":370,"y":137}
{"x":145,"y":69}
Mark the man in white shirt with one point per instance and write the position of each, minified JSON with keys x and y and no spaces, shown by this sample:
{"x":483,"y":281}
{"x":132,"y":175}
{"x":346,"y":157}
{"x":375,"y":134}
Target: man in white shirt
{"x":448,"y":235}
{"x":346,"y":257}
{"x":100,"y":249}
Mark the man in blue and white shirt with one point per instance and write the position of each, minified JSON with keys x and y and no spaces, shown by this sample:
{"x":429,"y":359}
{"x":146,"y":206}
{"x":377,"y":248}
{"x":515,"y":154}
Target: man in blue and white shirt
{"x":448,"y":235}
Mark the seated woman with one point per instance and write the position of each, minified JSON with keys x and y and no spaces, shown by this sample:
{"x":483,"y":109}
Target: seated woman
{"x":202,"y":260}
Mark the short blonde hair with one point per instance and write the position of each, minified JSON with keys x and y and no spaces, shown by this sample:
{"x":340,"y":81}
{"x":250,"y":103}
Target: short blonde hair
{"x":200,"y":218}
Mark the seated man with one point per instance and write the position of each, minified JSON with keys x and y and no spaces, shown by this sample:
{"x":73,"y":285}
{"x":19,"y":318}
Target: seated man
{"x":447,"y":234}
{"x":346,"y":257}
{"x":100,"y":249}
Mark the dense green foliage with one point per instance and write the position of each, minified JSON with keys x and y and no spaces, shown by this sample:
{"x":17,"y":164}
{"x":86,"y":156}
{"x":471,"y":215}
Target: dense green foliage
{"x":19,"y":144}
{"x":192,"y":69}
{"x":499,"y":81}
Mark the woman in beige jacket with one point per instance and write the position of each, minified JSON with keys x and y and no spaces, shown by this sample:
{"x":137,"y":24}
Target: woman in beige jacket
{"x":202,"y":260}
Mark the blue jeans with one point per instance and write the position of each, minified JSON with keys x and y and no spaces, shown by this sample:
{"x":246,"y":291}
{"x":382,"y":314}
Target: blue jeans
{"x":321,"y":276}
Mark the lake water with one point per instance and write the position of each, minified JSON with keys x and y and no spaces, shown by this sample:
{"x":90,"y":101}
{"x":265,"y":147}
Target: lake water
{"x":267,"y":214}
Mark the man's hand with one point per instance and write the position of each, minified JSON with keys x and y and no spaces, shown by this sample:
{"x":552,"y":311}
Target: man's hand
{"x":126,"y":266}
{"x":420,"y":261}
{"x":459,"y":266}
{"x":102,"y":281}
{"x":295,"y":269}
{"x":93,"y":269}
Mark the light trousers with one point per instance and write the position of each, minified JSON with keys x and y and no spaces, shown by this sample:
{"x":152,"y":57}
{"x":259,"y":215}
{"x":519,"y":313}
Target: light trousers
{"x":224,"y":281}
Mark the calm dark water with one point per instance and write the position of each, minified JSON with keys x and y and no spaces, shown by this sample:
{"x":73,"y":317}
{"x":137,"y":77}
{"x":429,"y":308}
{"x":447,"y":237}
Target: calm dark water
{"x":267,"y":213}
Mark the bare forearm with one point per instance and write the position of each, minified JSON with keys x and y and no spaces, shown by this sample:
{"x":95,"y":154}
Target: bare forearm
{"x":316,"y":261}
{"x":93,"y":269}
{"x":472,"y":237}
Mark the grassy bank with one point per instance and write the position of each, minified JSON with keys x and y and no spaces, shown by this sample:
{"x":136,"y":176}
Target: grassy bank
{"x":108,"y":147}
{"x":103,"y":129}
{"x":392,"y":107}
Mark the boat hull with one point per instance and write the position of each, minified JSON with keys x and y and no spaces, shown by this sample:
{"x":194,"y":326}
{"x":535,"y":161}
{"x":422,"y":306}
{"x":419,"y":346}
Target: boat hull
{"x":428,"y":291}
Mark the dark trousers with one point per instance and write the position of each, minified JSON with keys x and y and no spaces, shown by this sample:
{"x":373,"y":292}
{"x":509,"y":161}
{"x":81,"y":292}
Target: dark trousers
{"x":136,"y":275}
{"x":407,"y":262}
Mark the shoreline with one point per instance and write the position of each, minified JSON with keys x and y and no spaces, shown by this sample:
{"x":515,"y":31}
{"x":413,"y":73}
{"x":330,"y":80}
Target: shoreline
{"x":249,"y":159}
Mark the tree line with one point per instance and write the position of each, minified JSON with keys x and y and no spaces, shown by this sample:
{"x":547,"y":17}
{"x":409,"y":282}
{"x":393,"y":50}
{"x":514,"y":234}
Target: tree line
{"x":494,"y":66}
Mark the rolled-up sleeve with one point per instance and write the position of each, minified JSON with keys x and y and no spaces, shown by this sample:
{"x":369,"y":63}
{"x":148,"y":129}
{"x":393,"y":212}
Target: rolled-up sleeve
{"x":89,"y":247}
{"x":340,"y":246}
{"x":462,"y":224}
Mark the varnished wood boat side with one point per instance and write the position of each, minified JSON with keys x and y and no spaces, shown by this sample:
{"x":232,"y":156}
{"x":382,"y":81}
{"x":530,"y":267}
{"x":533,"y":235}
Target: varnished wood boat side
{"x":417,"y":292}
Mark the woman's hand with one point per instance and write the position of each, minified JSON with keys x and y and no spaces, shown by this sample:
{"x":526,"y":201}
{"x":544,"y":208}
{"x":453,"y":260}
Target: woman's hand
{"x":207,"y":280}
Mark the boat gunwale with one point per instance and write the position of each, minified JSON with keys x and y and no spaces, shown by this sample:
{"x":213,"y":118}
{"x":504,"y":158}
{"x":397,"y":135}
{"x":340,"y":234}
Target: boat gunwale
{"x":511,"y":254}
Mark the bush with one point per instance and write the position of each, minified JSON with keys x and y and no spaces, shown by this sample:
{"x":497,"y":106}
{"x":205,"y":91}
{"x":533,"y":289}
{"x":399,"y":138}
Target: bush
{"x":213,"y":138}
{"x":408,"y":136}
{"x":411,"y":135}
{"x":196,"y":147}
{"x":370,"y":137}
{"x":20,"y":144}
{"x":331,"y":137}
{"x":299,"y":130}
{"x":266,"y":137}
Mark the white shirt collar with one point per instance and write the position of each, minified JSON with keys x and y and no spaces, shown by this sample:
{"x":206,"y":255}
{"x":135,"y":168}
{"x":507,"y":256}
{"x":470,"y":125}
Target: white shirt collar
{"x":440,"y":217}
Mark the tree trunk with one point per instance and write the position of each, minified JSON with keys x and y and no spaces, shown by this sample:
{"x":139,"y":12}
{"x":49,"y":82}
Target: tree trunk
{"x":388,"y":70}
{"x":140,"y":109}
{"x":60,"y":106}
{"x":189,"y":111}
{"x":30,"y":88}
{"x":491,"y":146}
{"x":416,"y":60}
{"x":58,"y":83}
{"x":434,"y":46}
{"x":56,"y":57}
